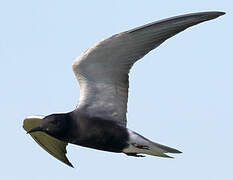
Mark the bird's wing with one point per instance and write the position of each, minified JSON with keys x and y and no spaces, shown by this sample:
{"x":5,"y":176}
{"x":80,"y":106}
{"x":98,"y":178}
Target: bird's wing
{"x":53,"y":146}
{"x":102,"y":71}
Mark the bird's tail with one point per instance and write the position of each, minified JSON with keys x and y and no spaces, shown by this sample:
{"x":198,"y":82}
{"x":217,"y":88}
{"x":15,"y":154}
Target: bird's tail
{"x":140,"y":145}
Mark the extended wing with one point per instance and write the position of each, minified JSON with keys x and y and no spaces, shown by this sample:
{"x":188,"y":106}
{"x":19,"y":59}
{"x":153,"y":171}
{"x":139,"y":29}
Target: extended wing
{"x":102,"y":71}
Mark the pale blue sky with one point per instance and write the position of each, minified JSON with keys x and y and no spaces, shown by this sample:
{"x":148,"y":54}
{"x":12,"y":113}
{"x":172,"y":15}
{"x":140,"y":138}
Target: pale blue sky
{"x":180,"y":93}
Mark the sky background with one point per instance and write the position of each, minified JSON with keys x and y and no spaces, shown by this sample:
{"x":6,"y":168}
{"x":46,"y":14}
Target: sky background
{"x":181,"y":94}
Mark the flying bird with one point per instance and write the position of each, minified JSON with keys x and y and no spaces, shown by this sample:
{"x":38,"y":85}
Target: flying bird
{"x":99,"y":121}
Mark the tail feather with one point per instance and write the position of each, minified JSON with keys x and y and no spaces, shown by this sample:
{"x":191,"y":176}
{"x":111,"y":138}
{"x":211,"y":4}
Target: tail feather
{"x":140,"y":145}
{"x":166,"y":148}
{"x":163,"y":155}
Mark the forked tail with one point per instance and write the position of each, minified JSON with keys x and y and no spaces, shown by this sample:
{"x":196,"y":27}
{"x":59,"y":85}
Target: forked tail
{"x":140,"y":145}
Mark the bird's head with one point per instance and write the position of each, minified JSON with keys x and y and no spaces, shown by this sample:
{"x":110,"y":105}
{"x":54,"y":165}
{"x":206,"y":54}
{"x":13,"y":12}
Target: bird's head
{"x":56,"y":125}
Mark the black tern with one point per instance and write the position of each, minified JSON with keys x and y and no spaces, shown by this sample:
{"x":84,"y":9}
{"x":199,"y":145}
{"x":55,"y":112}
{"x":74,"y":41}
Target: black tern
{"x":99,"y":121}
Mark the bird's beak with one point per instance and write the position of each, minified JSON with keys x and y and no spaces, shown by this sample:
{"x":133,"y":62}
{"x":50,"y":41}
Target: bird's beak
{"x":38,"y":128}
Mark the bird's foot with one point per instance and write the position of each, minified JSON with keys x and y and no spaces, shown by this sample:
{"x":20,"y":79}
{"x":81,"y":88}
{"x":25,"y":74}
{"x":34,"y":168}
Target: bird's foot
{"x":134,"y":155}
{"x":139,"y":146}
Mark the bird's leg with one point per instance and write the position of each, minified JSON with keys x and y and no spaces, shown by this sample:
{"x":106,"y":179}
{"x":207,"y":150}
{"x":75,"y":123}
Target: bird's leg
{"x":134,"y":155}
{"x":139,"y":146}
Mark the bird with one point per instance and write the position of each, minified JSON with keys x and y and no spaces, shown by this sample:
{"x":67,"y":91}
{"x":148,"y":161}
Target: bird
{"x":102,"y":71}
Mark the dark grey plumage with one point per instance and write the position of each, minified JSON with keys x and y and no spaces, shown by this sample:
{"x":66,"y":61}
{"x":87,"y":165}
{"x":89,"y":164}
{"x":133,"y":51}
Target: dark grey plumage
{"x":102,"y":71}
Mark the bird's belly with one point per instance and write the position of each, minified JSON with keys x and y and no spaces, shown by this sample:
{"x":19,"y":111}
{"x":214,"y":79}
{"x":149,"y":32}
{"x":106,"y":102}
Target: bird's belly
{"x":111,"y":145}
{"x":112,"y":138}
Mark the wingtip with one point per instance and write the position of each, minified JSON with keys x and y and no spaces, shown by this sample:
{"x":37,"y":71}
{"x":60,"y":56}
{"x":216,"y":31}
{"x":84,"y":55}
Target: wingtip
{"x":70,"y":165}
{"x":207,"y":15}
{"x":215,"y":14}
{"x":219,"y":13}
